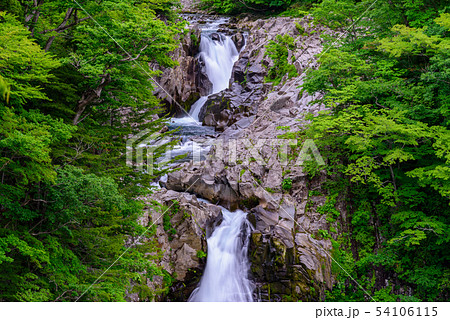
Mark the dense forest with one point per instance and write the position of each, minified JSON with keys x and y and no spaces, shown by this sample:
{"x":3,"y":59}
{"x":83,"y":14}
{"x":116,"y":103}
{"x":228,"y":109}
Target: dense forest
{"x":71,"y":96}
{"x":76,"y":80}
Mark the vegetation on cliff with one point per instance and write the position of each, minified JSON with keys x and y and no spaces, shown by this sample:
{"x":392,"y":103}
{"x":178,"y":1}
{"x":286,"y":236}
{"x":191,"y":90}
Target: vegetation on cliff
{"x":66,"y":207}
{"x":262,"y":7}
{"x":386,"y":138}
{"x":75,"y":82}
{"x":384,"y":77}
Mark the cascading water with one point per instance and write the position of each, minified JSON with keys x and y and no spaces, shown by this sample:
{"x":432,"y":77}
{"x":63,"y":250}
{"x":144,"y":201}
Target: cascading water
{"x":219,"y":55}
{"x":227,"y":266}
{"x":226,"y":274}
{"x":197,"y":107}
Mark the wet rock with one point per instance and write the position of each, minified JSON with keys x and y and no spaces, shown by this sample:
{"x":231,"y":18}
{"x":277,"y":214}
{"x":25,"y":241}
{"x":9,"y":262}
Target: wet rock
{"x":215,"y":36}
{"x":234,"y":130}
{"x":202,"y":81}
{"x":240,"y":69}
{"x":207,"y":182}
{"x":289,"y":260}
{"x":193,"y":221}
{"x":182,"y":84}
{"x":280,"y":103}
{"x":239,"y":40}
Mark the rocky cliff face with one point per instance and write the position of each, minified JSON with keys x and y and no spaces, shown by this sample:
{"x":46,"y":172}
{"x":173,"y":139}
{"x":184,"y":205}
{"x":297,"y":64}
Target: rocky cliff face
{"x":190,"y":6}
{"x":247,"y":87}
{"x":290,"y":260}
{"x":183,"y":84}
{"x":182,"y":225}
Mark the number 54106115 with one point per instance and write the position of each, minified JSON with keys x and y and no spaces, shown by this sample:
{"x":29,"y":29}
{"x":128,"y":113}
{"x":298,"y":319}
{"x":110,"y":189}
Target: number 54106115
{"x":404,"y":311}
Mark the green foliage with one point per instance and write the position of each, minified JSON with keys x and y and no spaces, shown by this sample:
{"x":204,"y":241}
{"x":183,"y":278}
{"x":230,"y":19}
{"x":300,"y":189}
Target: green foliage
{"x":167,"y":217}
{"x":256,"y":6}
{"x":313,"y":193}
{"x":70,"y":95}
{"x":323,"y":234}
{"x":23,"y":64}
{"x":195,"y":39}
{"x":69,"y":98}
{"x":300,"y":29}
{"x":5,"y":89}
{"x":59,"y":252}
{"x":168,"y":225}
{"x":278,"y":51}
{"x":336,"y":14}
{"x":12,"y":6}
{"x":201,"y":254}
{"x":298,"y":9}
{"x":270,"y":190}
{"x":386,"y":141}
{"x":286,"y":184}
{"x":26,"y":139}
{"x":329,"y":209}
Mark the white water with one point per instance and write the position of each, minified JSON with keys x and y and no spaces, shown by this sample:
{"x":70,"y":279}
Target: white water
{"x":196,"y":108}
{"x":219,"y":57}
{"x":226,"y":274}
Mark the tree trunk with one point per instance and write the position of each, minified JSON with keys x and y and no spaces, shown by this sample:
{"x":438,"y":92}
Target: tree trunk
{"x":90,"y":96}
{"x":60,"y":28}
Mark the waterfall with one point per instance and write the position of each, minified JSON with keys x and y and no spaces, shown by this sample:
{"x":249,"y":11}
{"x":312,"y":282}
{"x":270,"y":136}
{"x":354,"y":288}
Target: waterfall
{"x":197,"y":107}
{"x":226,"y":274}
{"x":219,"y":55}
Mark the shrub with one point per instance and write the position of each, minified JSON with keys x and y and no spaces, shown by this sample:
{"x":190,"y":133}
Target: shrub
{"x":278,"y":51}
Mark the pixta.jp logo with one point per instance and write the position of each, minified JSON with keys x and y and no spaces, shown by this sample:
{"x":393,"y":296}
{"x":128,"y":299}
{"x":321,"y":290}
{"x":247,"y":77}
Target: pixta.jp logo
{"x":141,"y":151}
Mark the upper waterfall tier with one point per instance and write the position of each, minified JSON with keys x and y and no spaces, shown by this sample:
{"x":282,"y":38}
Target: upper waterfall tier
{"x":218,"y":52}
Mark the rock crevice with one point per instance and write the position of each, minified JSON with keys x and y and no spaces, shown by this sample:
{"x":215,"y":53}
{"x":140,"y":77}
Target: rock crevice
{"x":290,"y":261}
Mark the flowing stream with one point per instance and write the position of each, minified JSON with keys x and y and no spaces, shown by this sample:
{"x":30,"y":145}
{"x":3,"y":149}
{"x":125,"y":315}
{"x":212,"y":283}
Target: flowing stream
{"x":219,"y":54}
{"x":226,"y":274}
{"x":227,"y":266}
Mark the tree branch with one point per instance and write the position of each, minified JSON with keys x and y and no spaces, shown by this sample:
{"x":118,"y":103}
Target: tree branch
{"x":137,"y":57}
{"x":62,"y":28}
{"x":66,"y":18}
{"x":91,"y":96}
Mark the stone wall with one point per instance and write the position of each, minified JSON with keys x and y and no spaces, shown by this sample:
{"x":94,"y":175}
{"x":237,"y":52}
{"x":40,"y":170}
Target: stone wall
{"x":290,"y":261}
{"x":183,"y":84}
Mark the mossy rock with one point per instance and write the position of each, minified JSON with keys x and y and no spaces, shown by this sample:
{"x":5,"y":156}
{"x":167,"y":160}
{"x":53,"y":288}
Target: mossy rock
{"x":249,"y":203}
{"x":256,"y":237}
